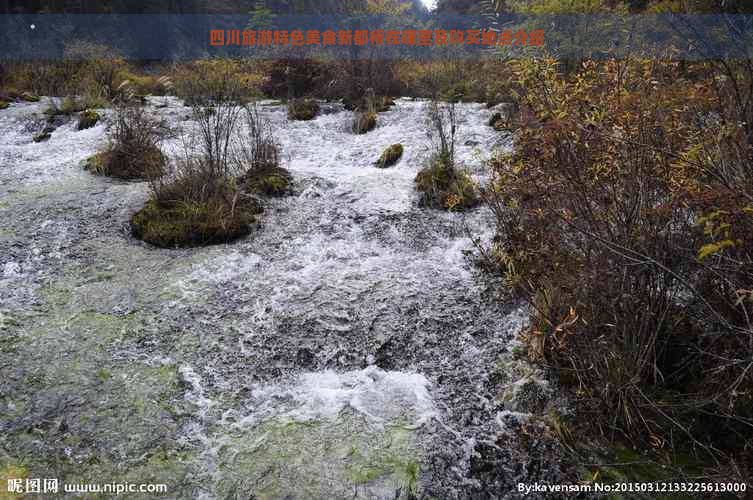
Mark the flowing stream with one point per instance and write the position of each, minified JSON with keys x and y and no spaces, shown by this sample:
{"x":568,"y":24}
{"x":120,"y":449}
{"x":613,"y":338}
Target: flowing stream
{"x":348,"y":348}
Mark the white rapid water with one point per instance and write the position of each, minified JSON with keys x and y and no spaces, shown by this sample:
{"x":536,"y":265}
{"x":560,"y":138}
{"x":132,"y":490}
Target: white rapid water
{"x":377,"y":395}
{"x":345,"y":349}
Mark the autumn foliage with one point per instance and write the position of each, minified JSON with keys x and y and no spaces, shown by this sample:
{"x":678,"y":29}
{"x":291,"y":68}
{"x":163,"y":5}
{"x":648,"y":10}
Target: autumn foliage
{"x":625,"y":217}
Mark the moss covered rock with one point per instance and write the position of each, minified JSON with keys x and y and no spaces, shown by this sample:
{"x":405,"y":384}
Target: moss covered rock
{"x":364,"y":122}
{"x":42,"y":137}
{"x":273,"y":185}
{"x":95,"y":164}
{"x":69,"y":106}
{"x":497,"y":121}
{"x":303,"y":109}
{"x":45,"y":134}
{"x":4,"y":105}
{"x":390,"y":156}
{"x":29,"y":97}
{"x":188,"y":223}
{"x":350,"y":103}
{"x":117,"y":162}
{"x":269,"y":181}
{"x":443,"y":186}
{"x":87,"y":119}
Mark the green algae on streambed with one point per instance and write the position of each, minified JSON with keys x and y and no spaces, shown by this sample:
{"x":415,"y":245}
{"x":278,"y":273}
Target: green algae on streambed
{"x":85,"y":401}
{"x":79,"y":406}
{"x":87,"y":398}
{"x":126,"y":362}
{"x":344,"y":457}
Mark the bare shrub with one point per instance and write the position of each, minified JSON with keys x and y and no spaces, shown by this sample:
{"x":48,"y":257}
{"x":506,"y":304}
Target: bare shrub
{"x":365,"y":117}
{"x":206,"y":168}
{"x":442,"y":125}
{"x":295,"y":78}
{"x":133,"y":151}
{"x":258,"y":156}
{"x":257,"y":147}
{"x":203,"y":201}
{"x":441,"y":184}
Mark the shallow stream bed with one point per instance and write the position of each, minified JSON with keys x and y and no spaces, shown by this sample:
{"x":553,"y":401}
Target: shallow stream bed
{"x":346,"y":349}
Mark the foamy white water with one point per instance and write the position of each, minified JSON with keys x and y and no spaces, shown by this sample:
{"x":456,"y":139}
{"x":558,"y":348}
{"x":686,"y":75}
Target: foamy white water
{"x":344,"y":349}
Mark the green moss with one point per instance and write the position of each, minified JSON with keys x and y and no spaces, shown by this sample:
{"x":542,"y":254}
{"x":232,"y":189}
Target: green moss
{"x":443,"y":186}
{"x":10,"y":471}
{"x":279,"y":458}
{"x":390,"y":156}
{"x":87,"y":119}
{"x":110,"y":393}
{"x":7,"y":322}
{"x":104,"y":374}
{"x":273,"y":185}
{"x":95,"y":164}
{"x":303,"y":109}
{"x":367,"y":465}
{"x":117,"y":162}
{"x":364,"y":122}
{"x":104,"y":327}
{"x":103,"y":276}
{"x":4,"y":105}
{"x":165,"y":375}
{"x":266,"y":180}
{"x":29,"y":97}
{"x":57,"y":293}
{"x":193,"y":223}
{"x":10,"y":338}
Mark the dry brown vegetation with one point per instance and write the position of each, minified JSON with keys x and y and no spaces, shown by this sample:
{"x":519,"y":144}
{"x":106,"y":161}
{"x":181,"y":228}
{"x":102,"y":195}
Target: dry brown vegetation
{"x":133,"y":151}
{"x":624,"y":218}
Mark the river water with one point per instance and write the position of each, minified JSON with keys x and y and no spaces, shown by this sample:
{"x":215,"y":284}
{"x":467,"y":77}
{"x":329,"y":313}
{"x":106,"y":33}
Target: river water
{"x":348,"y":348}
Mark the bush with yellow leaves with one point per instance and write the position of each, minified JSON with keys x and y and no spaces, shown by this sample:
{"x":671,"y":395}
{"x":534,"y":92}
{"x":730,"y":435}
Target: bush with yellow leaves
{"x":625,"y":217}
{"x":195,"y":81}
